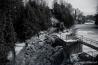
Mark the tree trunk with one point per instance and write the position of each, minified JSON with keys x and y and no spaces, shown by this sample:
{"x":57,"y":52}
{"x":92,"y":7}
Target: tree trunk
{"x":14,"y":56}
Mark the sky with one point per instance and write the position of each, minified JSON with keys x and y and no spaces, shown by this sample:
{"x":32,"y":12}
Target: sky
{"x":88,"y":7}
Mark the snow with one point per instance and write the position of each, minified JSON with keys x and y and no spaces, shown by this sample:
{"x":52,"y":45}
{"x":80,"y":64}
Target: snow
{"x":19,"y":47}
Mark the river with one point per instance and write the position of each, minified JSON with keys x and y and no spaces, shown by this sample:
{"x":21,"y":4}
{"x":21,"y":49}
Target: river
{"x":89,"y":31}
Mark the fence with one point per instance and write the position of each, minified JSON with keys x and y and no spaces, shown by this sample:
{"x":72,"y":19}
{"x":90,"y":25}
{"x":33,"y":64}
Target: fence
{"x":87,"y":40}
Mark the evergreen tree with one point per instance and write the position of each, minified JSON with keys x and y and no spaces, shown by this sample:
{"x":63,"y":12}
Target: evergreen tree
{"x":36,"y":18}
{"x":96,"y":19}
{"x":20,"y":22}
{"x":96,"y":16}
{"x":63,"y":14}
{"x":8,"y":11}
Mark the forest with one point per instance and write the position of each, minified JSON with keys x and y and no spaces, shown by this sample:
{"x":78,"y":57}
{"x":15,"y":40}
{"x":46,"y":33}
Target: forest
{"x":19,"y":21}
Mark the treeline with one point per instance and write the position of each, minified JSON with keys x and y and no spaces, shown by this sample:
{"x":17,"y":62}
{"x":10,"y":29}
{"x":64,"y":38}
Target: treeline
{"x":63,"y":13}
{"x":34,"y":18}
{"x":96,"y":19}
{"x":19,"y":22}
{"x":96,"y":16}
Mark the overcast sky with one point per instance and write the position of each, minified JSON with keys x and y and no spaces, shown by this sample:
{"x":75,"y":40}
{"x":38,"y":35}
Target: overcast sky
{"x":88,"y":7}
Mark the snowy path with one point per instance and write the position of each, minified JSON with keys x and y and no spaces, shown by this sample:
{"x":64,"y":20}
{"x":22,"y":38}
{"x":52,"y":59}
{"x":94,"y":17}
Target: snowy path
{"x":19,"y":47}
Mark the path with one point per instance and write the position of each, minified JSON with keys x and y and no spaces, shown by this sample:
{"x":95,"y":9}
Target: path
{"x":19,"y":47}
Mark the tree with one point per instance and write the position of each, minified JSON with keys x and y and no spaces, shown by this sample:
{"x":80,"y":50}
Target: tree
{"x":96,"y":16}
{"x":35,"y":18}
{"x":96,"y":19}
{"x":20,"y":22}
{"x":79,"y":17}
{"x":63,"y":14}
{"x":8,"y":11}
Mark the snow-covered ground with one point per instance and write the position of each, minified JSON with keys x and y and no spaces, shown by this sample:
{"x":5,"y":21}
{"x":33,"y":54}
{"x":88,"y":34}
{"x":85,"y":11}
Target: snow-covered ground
{"x":87,"y":30}
{"x":19,"y":47}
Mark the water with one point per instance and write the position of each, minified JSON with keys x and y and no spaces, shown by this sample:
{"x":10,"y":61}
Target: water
{"x":89,"y":31}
